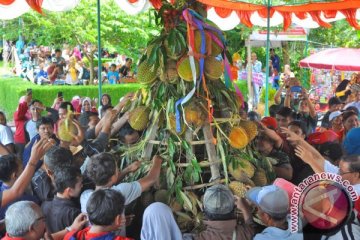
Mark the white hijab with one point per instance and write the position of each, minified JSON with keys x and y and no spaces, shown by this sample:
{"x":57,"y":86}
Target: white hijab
{"x":159,"y":223}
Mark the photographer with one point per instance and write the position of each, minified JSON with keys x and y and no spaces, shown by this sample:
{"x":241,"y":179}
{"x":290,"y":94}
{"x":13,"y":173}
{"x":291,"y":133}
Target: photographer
{"x":306,"y":111}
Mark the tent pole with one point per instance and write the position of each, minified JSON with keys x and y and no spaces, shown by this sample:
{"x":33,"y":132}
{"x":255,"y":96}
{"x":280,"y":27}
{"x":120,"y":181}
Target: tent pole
{"x":267,"y":60}
{"x":249,"y":75}
{"x":99,"y":51}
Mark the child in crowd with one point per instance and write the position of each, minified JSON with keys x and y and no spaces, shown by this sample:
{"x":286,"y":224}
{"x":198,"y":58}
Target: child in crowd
{"x":105,"y":210}
{"x":112,"y":75}
{"x":62,"y":210}
{"x":42,"y":76}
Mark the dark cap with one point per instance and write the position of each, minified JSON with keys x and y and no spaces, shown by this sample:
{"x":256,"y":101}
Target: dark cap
{"x":218,"y":199}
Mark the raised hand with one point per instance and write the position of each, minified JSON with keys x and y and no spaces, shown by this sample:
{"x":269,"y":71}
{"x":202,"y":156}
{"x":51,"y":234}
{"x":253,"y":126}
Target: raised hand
{"x":77,"y":139}
{"x":293,"y":138}
{"x":79,"y":222}
{"x":40,"y":148}
{"x":134,"y":166}
{"x":303,"y":154}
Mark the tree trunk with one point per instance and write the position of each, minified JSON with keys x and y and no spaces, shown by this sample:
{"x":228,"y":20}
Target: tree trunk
{"x":285,"y":52}
{"x":91,"y":69}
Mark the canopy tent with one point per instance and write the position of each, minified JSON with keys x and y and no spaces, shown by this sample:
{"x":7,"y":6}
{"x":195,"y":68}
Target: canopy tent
{"x":341,"y":59}
{"x":227,"y":14}
{"x":258,"y":37}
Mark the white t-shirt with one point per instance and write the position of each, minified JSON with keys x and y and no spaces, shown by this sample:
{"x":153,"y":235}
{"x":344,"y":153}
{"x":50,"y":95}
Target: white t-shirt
{"x":130,"y":191}
{"x":6,"y":135}
{"x":330,"y":168}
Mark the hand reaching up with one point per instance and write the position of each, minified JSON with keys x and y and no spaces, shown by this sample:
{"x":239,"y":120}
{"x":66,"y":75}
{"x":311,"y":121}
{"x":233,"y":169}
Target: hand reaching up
{"x":293,"y":138}
{"x":40,"y":148}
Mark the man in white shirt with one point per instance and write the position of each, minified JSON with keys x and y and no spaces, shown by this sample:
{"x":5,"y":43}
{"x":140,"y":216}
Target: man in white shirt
{"x":6,"y":138}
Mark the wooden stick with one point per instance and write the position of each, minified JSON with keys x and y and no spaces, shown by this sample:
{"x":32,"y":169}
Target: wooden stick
{"x":202,"y":164}
{"x":204,"y":185}
{"x":178,"y":143}
{"x":149,"y":146}
{"x":211,"y":152}
{"x":189,"y":137}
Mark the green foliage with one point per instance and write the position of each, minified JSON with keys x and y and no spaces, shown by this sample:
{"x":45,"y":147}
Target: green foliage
{"x":272,"y":92}
{"x":11,"y":89}
{"x":243,"y":88}
{"x":103,"y":60}
{"x":120,"y":32}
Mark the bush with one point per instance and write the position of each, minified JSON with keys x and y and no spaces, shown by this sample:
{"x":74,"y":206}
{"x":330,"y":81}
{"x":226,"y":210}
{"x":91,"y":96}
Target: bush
{"x":11,"y":89}
{"x":243,"y":88}
{"x":103,"y":60}
{"x":272,"y":92}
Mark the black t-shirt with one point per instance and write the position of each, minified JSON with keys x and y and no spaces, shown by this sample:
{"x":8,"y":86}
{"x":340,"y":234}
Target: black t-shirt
{"x":42,"y":186}
{"x":325,"y":123}
{"x":60,"y":213}
{"x":310,"y":122}
{"x":124,"y":70}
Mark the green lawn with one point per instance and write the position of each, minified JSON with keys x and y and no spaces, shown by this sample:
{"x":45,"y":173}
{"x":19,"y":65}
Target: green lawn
{"x":11,"y":89}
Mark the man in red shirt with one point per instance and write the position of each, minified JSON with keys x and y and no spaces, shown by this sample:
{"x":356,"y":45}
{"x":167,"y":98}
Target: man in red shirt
{"x":53,"y":70}
{"x":20,"y":118}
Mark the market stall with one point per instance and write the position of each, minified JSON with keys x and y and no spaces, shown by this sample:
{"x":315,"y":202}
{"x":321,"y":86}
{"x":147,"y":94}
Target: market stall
{"x":328,"y":68}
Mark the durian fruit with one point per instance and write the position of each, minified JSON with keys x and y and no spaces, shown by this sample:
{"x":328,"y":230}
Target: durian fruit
{"x":146,"y":73}
{"x":146,"y":199}
{"x":139,"y":118}
{"x":161,"y":195}
{"x":213,"y":68}
{"x":238,"y":137}
{"x":170,"y":75}
{"x":260,"y":178}
{"x":66,"y":127}
{"x":242,"y":171}
{"x":250,"y":128}
{"x":175,"y":206}
{"x":215,"y":49}
{"x":177,"y":52}
{"x":195,"y":114}
{"x":238,"y":188}
{"x":184,"y":69}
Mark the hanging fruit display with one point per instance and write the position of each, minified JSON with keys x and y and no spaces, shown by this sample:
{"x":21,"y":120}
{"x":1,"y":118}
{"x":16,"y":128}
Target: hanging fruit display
{"x":185,"y":74}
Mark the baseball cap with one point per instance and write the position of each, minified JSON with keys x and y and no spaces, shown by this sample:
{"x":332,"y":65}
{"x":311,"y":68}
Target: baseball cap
{"x":269,"y":122}
{"x":270,"y":199}
{"x":218,"y":199}
{"x":53,"y":60}
{"x":287,"y":186}
{"x":322,"y":137}
{"x":334,"y":115}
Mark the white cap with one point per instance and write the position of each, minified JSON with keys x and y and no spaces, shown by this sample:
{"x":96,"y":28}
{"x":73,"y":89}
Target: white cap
{"x":334,"y":115}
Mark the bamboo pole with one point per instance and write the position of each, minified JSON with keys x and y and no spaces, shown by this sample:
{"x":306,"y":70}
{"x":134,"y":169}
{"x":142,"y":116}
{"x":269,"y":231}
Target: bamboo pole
{"x":211,"y":152}
{"x":149,"y":146}
{"x":204,"y":185}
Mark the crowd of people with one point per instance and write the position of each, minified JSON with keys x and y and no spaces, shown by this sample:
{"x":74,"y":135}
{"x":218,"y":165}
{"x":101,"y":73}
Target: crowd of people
{"x":67,"y":66}
{"x":55,"y":187}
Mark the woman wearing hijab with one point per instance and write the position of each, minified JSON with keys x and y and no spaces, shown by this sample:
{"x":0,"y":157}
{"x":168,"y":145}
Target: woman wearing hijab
{"x":86,"y":108}
{"x":104,"y":104}
{"x":159,"y":223}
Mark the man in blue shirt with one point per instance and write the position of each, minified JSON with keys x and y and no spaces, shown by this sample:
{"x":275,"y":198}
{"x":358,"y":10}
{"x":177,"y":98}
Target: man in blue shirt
{"x":113,"y":76}
{"x":275,"y":60}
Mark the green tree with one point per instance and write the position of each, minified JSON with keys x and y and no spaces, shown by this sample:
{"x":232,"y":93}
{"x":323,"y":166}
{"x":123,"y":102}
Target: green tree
{"x":120,"y":32}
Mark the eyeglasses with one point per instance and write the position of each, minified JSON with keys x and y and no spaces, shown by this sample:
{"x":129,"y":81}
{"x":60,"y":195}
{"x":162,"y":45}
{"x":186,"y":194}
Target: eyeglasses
{"x":343,"y":173}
